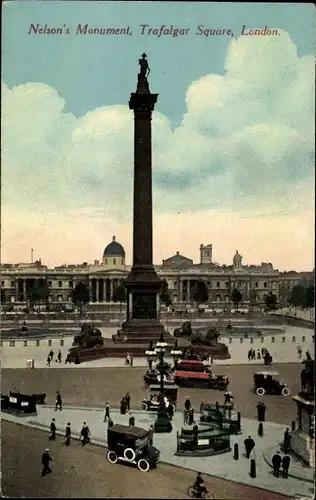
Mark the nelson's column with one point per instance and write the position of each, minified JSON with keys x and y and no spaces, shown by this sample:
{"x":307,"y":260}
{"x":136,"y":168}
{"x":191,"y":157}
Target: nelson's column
{"x":143,"y":284}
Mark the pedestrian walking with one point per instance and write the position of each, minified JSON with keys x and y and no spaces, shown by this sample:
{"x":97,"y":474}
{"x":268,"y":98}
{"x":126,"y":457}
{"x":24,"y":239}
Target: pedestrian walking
{"x":46,"y":458}
{"x":53,"y":429}
{"x":249,"y":445}
{"x":51,"y":354}
{"x":67,"y":360}
{"x":107,"y":412}
{"x":258,"y":354}
{"x":226,"y":397}
{"x":263,"y":351}
{"x":131,"y":360}
{"x":187,"y":403}
{"x":48,"y":361}
{"x":285,"y":465}
{"x":185,"y":417}
{"x":128,"y":401}
{"x":85,"y":434}
{"x":58,"y":401}
{"x":249,"y":354}
{"x":151,"y":435}
{"x":276,"y":462}
{"x":217,"y":406}
{"x":68,"y":434}
{"x":287,"y":440}
{"x":195,"y":432}
{"x":170,"y":411}
{"x":59,"y":357}
{"x":299,"y":352}
{"x":131,"y":420}
{"x":191,"y":415}
{"x":123,"y":406}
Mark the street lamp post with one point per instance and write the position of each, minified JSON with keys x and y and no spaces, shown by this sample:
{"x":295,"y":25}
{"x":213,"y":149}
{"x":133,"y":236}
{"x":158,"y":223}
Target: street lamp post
{"x":162,"y":423}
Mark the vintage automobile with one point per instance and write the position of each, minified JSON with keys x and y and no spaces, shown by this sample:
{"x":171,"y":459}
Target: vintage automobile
{"x":151,"y":402}
{"x":193,"y":365}
{"x":132,"y":445}
{"x":269,"y":383}
{"x":202,"y":380}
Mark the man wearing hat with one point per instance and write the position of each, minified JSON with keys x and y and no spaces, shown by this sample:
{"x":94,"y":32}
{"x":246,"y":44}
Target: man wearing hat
{"x":53,"y":429}
{"x":68,"y":434}
{"x":46,"y":458}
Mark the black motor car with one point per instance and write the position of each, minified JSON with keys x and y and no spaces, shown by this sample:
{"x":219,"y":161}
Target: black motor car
{"x":269,"y":383}
{"x":132,"y":445}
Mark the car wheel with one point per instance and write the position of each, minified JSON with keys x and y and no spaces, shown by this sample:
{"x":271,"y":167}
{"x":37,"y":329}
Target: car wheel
{"x":260,"y":391}
{"x":112,"y":457}
{"x":129,"y":454}
{"x":143,"y":465}
{"x":144,"y":406}
{"x":285,"y":391}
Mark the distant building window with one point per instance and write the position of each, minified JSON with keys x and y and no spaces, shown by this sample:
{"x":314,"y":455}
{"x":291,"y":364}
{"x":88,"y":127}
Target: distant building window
{"x":175,"y":284}
{"x":227,"y":284}
{"x":12,"y":283}
{"x":2,"y":283}
{"x":265,"y":285}
{"x":71,"y":284}
{"x":114,"y":262}
{"x":50,"y":283}
{"x":60,"y":284}
{"x":60,"y":298}
{"x":209,"y":283}
{"x":218,"y":284}
{"x":256,"y":284}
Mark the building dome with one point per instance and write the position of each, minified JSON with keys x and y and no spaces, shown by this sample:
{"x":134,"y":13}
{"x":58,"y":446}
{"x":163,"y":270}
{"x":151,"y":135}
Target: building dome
{"x":114,"y":249}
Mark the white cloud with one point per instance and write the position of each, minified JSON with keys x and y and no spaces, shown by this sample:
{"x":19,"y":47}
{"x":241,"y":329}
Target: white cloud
{"x":245,"y":144}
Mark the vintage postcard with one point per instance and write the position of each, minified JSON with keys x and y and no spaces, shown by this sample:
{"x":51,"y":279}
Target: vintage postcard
{"x":157,"y":249}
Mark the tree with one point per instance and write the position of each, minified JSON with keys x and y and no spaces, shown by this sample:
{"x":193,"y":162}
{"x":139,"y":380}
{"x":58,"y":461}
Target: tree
{"x":38,"y":292}
{"x":164,"y":295}
{"x":253,"y":297}
{"x":236,"y":297}
{"x":200,"y":293}
{"x":120,"y":295}
{"x":270,"y":300}
{"x":297,"y":296}
{"x":309,"y":299}
{"x":43,"y":291}
{"x":81,"y":295}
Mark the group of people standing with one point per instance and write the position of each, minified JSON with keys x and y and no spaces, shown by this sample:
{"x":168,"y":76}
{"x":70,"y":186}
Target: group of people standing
{"x":278,"y":462}
{"x":51,"y":356}
{"x":263,"y":354}
{"x":125,"y":404}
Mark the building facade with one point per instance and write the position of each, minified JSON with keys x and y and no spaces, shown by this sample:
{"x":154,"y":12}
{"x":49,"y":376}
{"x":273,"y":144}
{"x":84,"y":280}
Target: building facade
{"x":180,"y":272}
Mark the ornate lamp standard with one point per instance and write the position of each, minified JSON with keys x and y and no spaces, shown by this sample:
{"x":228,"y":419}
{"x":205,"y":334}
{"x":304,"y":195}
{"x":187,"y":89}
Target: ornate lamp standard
{"x":162,"y":424}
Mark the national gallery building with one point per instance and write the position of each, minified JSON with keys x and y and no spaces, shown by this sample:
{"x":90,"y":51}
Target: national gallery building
{"x":181,"y":274}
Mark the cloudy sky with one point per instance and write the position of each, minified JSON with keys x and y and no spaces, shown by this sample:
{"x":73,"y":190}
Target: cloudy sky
{"x":233,"y":131}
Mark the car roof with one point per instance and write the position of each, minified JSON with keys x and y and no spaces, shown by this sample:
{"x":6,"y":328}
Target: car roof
{"x":266,"y":373}
{"x":130,"y":431}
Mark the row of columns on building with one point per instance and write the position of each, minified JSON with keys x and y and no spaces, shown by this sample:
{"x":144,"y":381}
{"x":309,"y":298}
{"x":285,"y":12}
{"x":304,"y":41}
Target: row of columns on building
{"x":185,"y":288}
{"x":102,"y":289}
